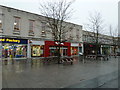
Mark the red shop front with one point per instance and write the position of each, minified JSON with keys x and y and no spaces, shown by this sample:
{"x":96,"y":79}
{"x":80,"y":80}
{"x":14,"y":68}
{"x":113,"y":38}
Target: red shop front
{"x":50,"y":48}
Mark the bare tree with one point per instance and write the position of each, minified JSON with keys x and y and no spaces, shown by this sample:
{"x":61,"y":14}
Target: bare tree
{"x":55,"y":14}
{"x":96,"y":27}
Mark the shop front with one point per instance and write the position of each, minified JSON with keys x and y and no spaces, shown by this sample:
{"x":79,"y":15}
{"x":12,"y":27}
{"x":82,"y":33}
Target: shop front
{"x":37,"y":48}
{"x":90,"y":49}
{"x":105,"y":49}
{"x":51,"y":48}
{"x":14,"y":48}
{"x":114,"y":49}
{"x":81,"y":48}
{"x":74,"y":48}
{"x":54,"y":49}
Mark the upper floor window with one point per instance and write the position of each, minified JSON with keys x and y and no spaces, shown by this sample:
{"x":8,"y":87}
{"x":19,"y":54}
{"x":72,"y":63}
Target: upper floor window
{"x":31,"y":26}
{"x":77,"y":31}
{"x":17,"y":24}
{"x":43,"y":25}
{"x":1,"y":22}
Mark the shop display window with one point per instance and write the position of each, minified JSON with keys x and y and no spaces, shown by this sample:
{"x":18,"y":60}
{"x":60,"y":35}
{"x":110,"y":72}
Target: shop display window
{"x":14,"y":51}
{"x":74,"y":50}
{"x":54,"y":50}
{"x":37,"y":51}
{"x":90,"y":49}
{"x":80,"y":49}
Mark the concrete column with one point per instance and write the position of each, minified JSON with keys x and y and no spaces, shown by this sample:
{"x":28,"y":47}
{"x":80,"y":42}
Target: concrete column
{"x":82,"y":48}
{"x":78,"y":49}
{"x":101,"y":49}
{"x":29,"y":50}
{"x":110,"y":49}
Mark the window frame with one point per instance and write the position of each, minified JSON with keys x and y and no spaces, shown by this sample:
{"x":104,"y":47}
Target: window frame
{"x":31,"y":25}
{"x":17,"y":20}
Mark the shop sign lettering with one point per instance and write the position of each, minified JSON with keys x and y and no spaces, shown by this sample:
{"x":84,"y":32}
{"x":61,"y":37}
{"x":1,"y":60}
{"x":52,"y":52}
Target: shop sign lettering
{"x":2,"y":40}
{"x":12,"y":40}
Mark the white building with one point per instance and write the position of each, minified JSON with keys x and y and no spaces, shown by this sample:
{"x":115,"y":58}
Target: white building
{"x":107,"y":43}
{"x":24,"y":35}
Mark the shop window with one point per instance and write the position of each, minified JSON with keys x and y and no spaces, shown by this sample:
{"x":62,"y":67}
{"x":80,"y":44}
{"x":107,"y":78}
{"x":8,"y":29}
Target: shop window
{"x":54,"y":51}
{"x":74,"y":50}
{"x":31,"y":27}
{"x":17,"y":24}
{"x":37,"y":51}
{"x":14,"y":51}
{"x":64,"y":52}
{"x":80,"y":49}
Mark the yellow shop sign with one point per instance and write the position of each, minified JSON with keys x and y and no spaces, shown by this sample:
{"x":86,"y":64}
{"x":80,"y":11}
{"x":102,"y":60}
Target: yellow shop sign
{"x":9,"y":40}
{"x":13,"y":40}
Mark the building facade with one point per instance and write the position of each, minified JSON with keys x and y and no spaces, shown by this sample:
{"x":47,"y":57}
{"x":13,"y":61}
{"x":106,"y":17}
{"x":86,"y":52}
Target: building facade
{"x":119,"y":25}
{"x":106,"y":44}
{"x":24,"y":35}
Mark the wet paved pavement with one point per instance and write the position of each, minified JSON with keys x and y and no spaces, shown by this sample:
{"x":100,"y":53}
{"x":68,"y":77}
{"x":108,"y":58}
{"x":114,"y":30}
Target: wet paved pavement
{"x":111,"y":84}
{"x":21,"y":74}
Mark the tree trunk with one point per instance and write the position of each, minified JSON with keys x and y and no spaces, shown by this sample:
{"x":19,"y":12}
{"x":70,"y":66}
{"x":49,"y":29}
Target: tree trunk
{"x":59,"y":55}
{"x":96,"y":51}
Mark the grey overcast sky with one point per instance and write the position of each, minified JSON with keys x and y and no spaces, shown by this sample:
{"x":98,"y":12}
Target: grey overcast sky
{"x":82,"y":8}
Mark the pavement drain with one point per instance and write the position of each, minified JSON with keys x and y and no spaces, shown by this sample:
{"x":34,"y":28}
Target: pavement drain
{"x":82,"y":79}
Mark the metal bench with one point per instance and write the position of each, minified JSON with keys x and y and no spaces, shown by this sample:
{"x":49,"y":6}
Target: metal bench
{"x":104,"y":57}
{"x":91,"y":56}
{"x":67,"y":61}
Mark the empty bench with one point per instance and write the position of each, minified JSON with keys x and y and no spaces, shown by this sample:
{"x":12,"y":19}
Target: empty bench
{"x":67,"y":61}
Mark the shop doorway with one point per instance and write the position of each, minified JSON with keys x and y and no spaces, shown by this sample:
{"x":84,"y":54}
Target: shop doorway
{"x":53,"y":50}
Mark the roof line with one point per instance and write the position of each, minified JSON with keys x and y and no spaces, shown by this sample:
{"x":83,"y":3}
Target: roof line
{"x":33,"y":13}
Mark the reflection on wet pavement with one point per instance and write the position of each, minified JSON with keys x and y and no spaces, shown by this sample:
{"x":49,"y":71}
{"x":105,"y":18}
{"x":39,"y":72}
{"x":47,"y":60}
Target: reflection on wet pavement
{"x":37,"y":74}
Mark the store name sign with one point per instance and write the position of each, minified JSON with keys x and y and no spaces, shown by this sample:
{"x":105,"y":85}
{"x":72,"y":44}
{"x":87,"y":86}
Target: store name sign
{"x":13,"y":40}
{"x":10,"y":40}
